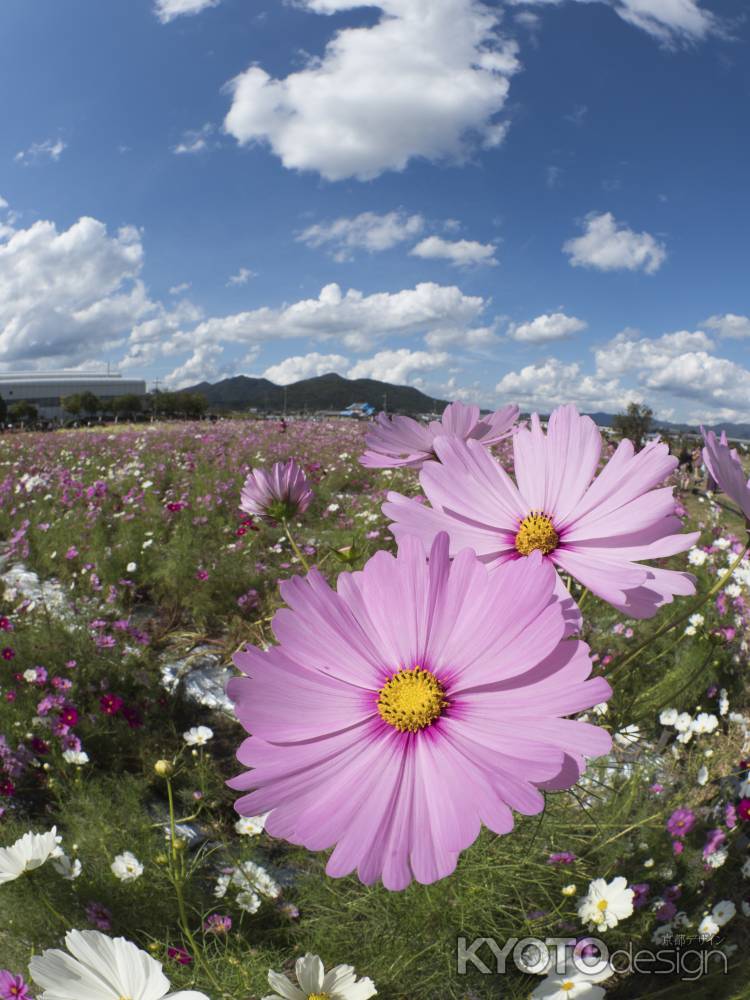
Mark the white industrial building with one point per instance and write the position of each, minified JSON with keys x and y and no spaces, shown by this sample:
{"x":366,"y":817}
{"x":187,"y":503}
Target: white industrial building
{"x":46,"y":389}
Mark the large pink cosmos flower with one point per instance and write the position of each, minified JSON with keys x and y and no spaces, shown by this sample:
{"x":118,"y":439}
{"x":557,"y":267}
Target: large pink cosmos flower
{"x":409,"y":706}
{"x":279,"y":494}
{"x":726,"y":469}
{"x":401,"y":441}
{"x":596,"y":528}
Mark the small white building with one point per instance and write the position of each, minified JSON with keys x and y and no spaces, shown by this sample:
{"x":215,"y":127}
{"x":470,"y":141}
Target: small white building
{"x":46,"y":389}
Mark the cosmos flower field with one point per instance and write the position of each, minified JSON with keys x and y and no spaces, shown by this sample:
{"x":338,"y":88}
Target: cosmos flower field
{"x":363,"y":712}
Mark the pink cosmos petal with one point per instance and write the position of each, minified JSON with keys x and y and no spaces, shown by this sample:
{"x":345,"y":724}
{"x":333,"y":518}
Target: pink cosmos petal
{"x":400,"y":441}
{"x":395,"y":804}
{"x":603,"y":524}
{"x":726,"y":469}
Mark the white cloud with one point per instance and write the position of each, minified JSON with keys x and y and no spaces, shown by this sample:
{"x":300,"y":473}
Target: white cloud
{"x":353,"y":319}
{"x":427,"y":80}
{"x":242,"y":277}
{"x":184,"y":286}
{"x":51,"y":149}
{"x":671,"y":22}
{"x":610,"y":246}
{"x":366,"y":231}
{"x":546,"y":385}
{"x":194,"y":141}
{"x":548,"y":326}
{"x":201,"y":366}
{"x":462,"y":253}
{"x":3,"y":203}
{"x":305,"y":366}
{"x":398,"y":365}
{"x":66,"y":294}
{"x":628,"y":352}
{"x":679,"y":365}
{"x":168,"y":10}
{"x":730,"y":325}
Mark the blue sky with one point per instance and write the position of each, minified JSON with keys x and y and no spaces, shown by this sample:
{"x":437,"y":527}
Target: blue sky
{"x":539,"y":202}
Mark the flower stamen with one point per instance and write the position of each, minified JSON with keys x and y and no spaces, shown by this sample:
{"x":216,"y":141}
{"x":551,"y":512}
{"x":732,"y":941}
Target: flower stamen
{"x":411,"y":699}
{"x":536,"y":531}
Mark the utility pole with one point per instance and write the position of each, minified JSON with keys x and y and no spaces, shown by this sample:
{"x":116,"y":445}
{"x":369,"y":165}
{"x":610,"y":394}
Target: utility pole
{"x":285,"y":389}
{"x":385,"y":402}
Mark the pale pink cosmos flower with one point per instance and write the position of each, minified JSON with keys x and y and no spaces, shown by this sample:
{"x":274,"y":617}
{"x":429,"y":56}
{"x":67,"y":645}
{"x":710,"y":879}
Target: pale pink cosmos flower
{"x":414,"y":703}
{"x":279,"y":494}
{"x":401,"y":441}
{"x":726,"y":469}
{"x":597,"y":528}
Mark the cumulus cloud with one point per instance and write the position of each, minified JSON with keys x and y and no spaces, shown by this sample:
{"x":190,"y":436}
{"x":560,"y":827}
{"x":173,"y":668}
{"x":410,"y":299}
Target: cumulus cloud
{"x":680,"y":365}
{"x":670,"y":22}
{"x":398,"y":365}
{"x":461,"y":253}
{"x":611,"y":246}
{"x":305,"y":366}
{"x":168,"y":10}
{"x":730,"y":325}
{"x":546,"y":385}
{"x":50,"y":149}
{"x":366,"y":231}
{"x":548,"y":326}
{"x":184,"y":286}
{"x":429,"y":79}
{"x":65,"y":294}
{"x":476,"y":337}
{"x":354,"y":320}
{"x":629,"y":352}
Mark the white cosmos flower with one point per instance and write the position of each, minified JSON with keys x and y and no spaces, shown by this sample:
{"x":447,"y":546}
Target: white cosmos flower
{"x":607,"y":903}
{"x":723,"y":912}
{"x":77,"y":757}
{"x":708,"y":928}
{"x":28,"y":853}
{"x":704,"y":722}
{"x":668,"y":717}
{"x":696,"y":557}
{"x":198,"y":736}
{"x":340,"y":983}
{"x":572,"y":983}
{"x":126,"y":867}
{"x":69,"y":868}
{"x":251,"y":826}
{"x":131,"y":567}
{"x":102,"y":968}
{"x":683,"y":722}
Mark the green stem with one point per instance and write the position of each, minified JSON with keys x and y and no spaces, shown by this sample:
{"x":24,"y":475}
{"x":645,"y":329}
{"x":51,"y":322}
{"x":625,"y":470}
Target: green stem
{"x":177,"y":873}
{"x":694,"y":606}
{"x":584,"y":595}
{"x":295,"y":547}
{"x":55,"y":913}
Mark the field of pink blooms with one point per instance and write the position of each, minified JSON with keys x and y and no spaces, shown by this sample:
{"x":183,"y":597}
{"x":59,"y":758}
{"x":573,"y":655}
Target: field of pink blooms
{"x":595,"y":791}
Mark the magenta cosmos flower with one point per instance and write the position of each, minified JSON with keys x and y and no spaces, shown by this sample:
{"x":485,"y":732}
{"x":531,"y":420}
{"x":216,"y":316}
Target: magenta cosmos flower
{"x":726,"y":469}
{"x":414,"y":703}
{"x":279,"y":494}
{"x":402,"y":441}
{"x":594,"y":527}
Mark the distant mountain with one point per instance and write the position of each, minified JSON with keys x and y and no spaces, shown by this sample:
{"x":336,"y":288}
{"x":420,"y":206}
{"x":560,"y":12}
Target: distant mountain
{"x":325,"y":392}
{"x":334,"y":392}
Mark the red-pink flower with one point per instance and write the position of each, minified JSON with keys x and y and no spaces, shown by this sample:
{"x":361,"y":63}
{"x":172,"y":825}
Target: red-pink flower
{"x":597,"y":528}
{"x":279,"y":494}
{"x":401,"y":441}
{"x":416,"y":702}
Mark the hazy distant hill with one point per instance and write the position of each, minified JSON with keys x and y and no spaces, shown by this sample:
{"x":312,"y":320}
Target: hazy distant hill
{"x":325,"y":392}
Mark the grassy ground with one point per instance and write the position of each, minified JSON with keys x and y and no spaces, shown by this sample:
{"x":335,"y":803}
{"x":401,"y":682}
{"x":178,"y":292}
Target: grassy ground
{"x":141,"y":529}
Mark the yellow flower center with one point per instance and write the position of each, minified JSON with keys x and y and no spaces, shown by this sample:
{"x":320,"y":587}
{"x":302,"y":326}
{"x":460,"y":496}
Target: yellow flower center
{"x":411,"y":700}
{"x":602,"y":905}
{"x":318,"y":996}
{"x":567,"y":985}
{"x":536,"y":531}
